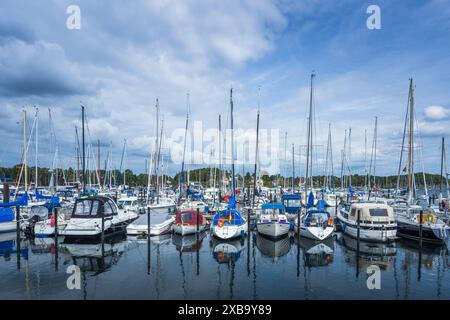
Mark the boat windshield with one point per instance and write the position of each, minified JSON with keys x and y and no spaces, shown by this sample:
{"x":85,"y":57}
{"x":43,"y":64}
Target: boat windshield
{"x":292,"y":203}
{"x":86,"y":208}
{"x":378,"y":212}
{"x":187,"y":217}
{"x":315,"y":218}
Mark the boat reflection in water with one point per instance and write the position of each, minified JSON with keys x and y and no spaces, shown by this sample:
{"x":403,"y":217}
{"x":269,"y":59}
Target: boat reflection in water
{"x":96,"y":257}
{"x":189,"y":243}
{"x":273,"y":248}
{"x":368,"y":253}
{"x":227,"y":251}
{"x":316,"y":254}
{"x":163,"y":239}
{"x":8,"y":246}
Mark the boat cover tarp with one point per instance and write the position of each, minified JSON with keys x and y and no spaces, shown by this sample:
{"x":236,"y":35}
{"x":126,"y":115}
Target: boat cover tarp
{"x":274,"y":205}
{"x":229,"y":216}
{"x":189,"y":217}
{"x":22,"y":201}
{"x":310,"y":200}
{"x":6,"y":215}
{"x":155,"y":218}
{"x":291,"y":197}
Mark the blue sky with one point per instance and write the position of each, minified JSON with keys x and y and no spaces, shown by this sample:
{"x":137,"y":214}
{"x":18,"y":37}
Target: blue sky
{"x":126,"y":56}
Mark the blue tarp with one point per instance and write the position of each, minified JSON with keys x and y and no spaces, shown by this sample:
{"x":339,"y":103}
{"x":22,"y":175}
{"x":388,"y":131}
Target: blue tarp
{"x":22,"y":201}
{"x":291,"y":197}
{"x":275,"y":205}
{"x":6,"y":215}
{"x":310,"y":200}
{"x":321,"y":205}
{"x":232,"y":202}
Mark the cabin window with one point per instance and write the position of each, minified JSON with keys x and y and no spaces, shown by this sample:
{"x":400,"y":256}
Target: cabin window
{"x":353,"y":212}
{"x":378,"y":212}
{"x":187,"y":217}
{"x":292,"y":203}
{"x":94,"y":207}
{"x":83,"y":208}
{"x":107,"y":210}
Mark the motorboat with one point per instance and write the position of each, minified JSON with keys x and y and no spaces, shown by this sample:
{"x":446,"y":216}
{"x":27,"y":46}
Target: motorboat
{"x":159,"y":224}
{"x":162,"y":205}
{"x":189,"y":222}
{"x":272,"y":221}
{"x":129,"y":202}
{"x":376,"y":221}
{"x":433,"y":228}
{"x":92,"y":216}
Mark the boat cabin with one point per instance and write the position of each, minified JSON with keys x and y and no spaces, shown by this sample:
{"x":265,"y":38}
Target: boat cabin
{"x":189,"y":217}
{"x":94,"y":207}
{"x":371,"y":213}
{"x":291,"y":202}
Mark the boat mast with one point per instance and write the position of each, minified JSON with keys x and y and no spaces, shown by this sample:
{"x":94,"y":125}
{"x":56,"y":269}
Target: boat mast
{"x":309,"y":135}
{"x":293,"y":168}
{"x":411,"y":143}
{"x":83,"y":152}
{"x":24,"y":119}
{"x":256,"y":150}
{"x":184,"y":149}
{"x":220,"y":159}
{"x":36,"y":151}
{"x":232,"y":144}
{"x":442,"y":169}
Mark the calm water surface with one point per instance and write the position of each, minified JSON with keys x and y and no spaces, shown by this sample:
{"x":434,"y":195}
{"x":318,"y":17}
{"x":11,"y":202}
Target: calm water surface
{"x":175,"y":267}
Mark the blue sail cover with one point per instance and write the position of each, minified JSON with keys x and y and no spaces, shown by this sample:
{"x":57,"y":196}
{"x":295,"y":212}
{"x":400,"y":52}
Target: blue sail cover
{"x":232,"y":202}
{"x":229,"y":216}
{"x":53,"y":199}
{"x":22,"y":201}
{"x":321,"y":205}
{"x":273,"y":205}
{"x":310,"y":200}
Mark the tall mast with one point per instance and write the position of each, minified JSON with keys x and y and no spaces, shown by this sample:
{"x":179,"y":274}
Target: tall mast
{"x":309,"y":143}
{"x":36,"y":151}
{"x":375,"y":152}
{"x":24,"y":119}
{"x":442,"y":169}
{"x":220,"y":159}
{"x":411,"y":142}
{"x":256,"y":150}
{"x":84,"y":152}
{"x":285,"y":159}
{"x":184,"y":148}
{"x":232,"y":143}
{"x":293,"y":168}
{"x":98,"y":162}
{"x":78,"y":155}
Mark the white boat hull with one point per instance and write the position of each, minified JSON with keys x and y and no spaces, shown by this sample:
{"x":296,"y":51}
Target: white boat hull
{"x":155,"y":229}
{"x":315,"y":233}
{"x":187,"y":229}
{"x":227,"y":232}
{"x":8,"y":226}
{"x":273,"y":229}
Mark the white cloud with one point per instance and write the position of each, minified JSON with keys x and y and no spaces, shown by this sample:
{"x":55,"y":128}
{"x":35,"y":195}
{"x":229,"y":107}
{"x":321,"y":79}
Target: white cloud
{"x":436,"y":112}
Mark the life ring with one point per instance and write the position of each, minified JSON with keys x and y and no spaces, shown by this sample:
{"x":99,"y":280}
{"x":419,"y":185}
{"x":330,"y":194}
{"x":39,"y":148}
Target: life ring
{"x":220,"y":223}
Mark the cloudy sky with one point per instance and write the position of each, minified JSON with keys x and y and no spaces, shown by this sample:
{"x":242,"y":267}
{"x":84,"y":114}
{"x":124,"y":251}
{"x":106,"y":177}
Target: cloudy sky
{"x":128,"y":54}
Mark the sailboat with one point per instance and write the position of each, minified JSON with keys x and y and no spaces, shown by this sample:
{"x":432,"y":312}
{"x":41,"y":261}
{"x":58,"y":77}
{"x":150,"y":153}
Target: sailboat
{"x":315,"y":223}
{"x":229,"y":223}
{"x":412,"y":222}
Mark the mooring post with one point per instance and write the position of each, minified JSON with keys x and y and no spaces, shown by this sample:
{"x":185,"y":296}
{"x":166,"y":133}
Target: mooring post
{"x":148,"y":241}
{"x":18,"y":236}
{"x":248,"y":220}
{"x":55,"y":210}
{"x":198,"y":220}
{"x":357,"y":243}
{"x":420,"y":227}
